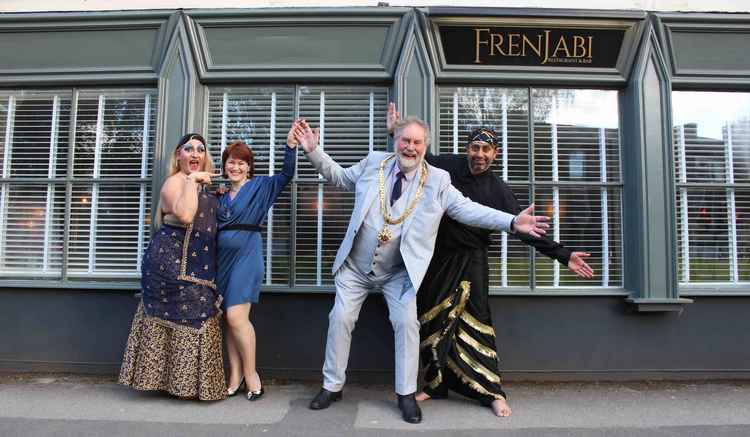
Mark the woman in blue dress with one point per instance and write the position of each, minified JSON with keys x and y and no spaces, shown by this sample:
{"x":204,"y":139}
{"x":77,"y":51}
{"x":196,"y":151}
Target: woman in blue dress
{"x":242,"y":210}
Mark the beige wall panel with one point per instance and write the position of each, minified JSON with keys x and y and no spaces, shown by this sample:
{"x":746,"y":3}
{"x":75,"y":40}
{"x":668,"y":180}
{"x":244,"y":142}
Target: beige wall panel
{"x":101,"y":5}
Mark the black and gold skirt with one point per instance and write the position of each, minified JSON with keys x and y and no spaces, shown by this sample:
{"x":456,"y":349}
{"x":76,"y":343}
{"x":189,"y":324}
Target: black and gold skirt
{"x":457,"y":347}
{"x":180,"y":360}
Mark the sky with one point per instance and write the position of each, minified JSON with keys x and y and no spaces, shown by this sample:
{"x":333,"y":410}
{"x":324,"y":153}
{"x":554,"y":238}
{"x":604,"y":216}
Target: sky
{"x":711,"y":110}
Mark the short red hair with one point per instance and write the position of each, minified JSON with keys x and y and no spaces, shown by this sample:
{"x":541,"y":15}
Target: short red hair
{"x":238,"y":150}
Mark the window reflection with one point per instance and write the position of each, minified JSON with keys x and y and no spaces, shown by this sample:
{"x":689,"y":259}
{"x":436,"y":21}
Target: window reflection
{"x":561,"y":150}
{"x":712,"y":170}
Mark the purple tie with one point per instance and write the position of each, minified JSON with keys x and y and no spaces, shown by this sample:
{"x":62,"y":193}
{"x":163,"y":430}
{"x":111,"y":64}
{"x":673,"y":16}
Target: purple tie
{"x":396,"y":193}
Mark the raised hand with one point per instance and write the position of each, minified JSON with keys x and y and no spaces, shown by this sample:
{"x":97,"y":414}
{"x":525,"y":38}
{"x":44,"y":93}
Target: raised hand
{"x":392,"y":118}
{"x":526,"y":223}
{"x":577,"y":265}
{"x":291,"y":139}
{"x":306,"y":136}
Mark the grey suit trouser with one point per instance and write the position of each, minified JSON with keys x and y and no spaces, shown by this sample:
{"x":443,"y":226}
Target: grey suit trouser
{"x":352,"y":287}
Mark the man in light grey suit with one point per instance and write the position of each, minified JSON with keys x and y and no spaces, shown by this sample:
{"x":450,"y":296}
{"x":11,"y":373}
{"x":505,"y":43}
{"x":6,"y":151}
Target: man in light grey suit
{"x":399,"y":202}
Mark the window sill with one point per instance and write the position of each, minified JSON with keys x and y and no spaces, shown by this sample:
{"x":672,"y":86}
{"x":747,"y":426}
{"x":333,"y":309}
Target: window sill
{"x":646,"y":305}
{"x":540,"y":292}
{"x":561,"y":291}
{"x":135,"y":285}
{"x":709,"y":293}
{"x":71,"y":285}
{"x":716,"y":289}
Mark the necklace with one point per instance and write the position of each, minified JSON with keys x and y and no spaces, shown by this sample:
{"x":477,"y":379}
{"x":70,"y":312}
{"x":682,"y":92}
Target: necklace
{"x":232,"y":195}
{"x":237,"y":190}
{"x":385,"y":234}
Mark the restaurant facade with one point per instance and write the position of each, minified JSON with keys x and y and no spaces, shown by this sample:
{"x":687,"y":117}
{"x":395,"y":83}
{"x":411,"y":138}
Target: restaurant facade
{"x":630,"y":128}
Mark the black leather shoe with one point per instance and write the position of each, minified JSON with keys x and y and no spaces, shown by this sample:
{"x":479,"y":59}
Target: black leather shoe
{"x":324,"y":398}
{"x":410,"y":411}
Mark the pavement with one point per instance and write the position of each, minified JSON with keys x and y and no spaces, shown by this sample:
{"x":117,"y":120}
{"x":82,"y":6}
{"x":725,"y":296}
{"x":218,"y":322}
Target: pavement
{"x":64,"y":405}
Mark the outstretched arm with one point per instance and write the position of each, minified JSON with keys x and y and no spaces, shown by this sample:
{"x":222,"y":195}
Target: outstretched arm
{"x":282,"y":179}
{"x":547,"y":246}
{"x":463,"y":210}
{"x":578,"y":266}
{"x":528,"y":223}
{"x":325,"y":165}
{"x":290,"y":155}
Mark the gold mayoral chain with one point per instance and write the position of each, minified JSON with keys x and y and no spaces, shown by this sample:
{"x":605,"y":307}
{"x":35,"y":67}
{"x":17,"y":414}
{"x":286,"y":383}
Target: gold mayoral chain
{"x":385,"y":234}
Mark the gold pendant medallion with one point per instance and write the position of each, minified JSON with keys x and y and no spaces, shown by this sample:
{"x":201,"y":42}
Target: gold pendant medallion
{"x":385,"y":234}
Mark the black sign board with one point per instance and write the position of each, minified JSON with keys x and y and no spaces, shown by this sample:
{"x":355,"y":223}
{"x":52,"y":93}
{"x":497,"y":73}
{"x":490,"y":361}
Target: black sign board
{"x":531,"y":46}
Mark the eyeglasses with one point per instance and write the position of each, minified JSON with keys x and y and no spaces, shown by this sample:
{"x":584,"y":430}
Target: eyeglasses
{"x":485,"y":148}
{"x":188,"y":148}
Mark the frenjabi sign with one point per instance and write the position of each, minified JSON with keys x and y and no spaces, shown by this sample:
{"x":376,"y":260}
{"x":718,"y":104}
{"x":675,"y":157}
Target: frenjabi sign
{"x":531,"y":46}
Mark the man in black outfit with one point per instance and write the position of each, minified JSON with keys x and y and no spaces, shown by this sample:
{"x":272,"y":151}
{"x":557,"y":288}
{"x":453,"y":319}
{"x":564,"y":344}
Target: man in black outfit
{"x":457,"y":336}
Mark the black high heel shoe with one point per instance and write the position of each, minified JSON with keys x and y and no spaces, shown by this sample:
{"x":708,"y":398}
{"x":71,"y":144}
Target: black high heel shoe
{"x":255,"y":395}
{"x":231,"y":392}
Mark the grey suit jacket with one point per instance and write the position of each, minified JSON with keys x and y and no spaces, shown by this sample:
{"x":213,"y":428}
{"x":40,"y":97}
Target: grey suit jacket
{"x":420,"y":228}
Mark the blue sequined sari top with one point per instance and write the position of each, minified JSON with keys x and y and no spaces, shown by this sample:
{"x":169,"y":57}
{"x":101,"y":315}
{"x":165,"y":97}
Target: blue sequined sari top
{"x":179,"y":269}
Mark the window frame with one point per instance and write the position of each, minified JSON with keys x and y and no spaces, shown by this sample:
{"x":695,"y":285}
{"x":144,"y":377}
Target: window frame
{"x":532,"y":289}
{"x":127,"y":279}
{"x":99,"y":283}
{"x":298,"y":181}
{"x":735,"y":287}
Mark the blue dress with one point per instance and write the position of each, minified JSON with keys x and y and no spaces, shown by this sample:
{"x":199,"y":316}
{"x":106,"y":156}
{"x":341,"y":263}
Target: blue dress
{"x":240,"y":255}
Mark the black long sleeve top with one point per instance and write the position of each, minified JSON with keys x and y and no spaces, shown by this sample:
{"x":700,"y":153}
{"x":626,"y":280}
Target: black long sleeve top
{"x":489,"y":190}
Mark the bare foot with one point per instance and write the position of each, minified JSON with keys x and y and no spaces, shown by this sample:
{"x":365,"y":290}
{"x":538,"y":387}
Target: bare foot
{"x":422,"y":396}
{"x":500,"y":408}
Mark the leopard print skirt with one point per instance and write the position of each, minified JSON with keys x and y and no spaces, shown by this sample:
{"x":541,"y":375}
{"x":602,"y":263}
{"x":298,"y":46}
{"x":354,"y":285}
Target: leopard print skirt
{"x":180,"y":360}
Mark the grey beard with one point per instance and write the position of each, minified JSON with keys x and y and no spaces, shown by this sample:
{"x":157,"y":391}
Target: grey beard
{"x":406,"y":168}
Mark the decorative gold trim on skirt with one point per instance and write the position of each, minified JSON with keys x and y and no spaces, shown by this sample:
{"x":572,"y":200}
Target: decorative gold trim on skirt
{"x":436,"y":381}
{"x":183,"y":276}
{"x":432,"y":340}
{"x":482,"y":349}
{"x":188,"y":330}
{"x":473,"y":384}
{"x":198,"y":281}
{"x":476,"y":324}
{"x":480,"y":369}
{"x":437,"y":309}
{"x":465,"y":287}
